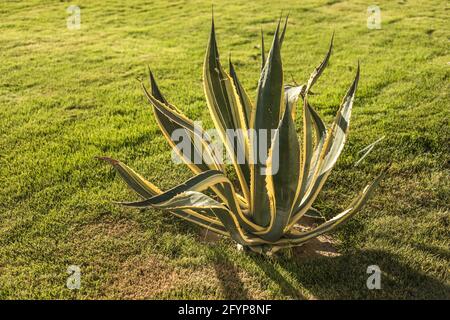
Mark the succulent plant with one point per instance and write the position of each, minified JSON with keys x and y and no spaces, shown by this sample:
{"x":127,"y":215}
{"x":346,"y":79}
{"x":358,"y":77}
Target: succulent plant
{"x":262,"y":209}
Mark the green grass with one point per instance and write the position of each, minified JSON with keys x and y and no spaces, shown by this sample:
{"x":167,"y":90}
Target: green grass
{"x":67,"y":96}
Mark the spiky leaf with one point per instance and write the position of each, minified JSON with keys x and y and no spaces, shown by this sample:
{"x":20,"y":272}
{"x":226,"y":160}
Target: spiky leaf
{"x":266,"y":116}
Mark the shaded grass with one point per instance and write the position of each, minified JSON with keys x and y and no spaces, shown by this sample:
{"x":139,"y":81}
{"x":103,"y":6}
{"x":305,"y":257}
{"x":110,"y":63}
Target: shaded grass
{"x":67,"y":96}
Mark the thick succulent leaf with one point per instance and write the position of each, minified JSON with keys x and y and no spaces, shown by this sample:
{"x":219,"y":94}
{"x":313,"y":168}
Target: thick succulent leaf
{"x":331,"y":150}
{"x":310,"y":154}
{"x":307,"y":154}
{"x":296,"y":237}
{"x":243,"y":97}
{"x":339,"y":130}
{"x":136,"y":182}
{"x":197,"y":200}
{"x":186,"y":199}
{"x":320,"y":137}
{"x":270,"y":88}
{"x":265,"y":116}
{"x":226,"y":111}
{"x":282,"y":184}
{"x":318,"y":123}
{"x":200,"y":182}
{"x":169,"y":120}
{"x":146,"y":189}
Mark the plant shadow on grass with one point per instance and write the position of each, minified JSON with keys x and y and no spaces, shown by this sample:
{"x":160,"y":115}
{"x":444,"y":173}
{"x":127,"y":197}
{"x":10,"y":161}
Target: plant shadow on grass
{"x":232,"y":286}
{"x":317,"y":268}
{"x":345,"y":276}
{"x":268,"y":267}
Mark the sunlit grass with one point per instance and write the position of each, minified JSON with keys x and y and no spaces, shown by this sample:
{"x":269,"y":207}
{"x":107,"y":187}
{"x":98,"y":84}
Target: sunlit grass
{"x":67,"y":96}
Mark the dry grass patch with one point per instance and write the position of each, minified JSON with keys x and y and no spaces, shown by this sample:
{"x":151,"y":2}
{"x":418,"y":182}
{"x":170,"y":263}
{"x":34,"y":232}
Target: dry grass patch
{"x":156,"y":277}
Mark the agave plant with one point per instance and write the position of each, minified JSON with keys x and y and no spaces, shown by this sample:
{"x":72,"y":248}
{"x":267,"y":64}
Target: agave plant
{"x":263,"y":208}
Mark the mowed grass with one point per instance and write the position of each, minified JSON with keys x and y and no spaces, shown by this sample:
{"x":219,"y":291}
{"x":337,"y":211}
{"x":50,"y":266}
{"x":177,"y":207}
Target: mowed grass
{"x":67,"y":96}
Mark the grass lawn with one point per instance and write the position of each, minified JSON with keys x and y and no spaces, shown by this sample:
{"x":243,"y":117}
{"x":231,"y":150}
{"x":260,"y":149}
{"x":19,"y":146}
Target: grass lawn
{"x":67,"y":96}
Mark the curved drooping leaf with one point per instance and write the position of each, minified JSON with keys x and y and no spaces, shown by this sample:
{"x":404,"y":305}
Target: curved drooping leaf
{"x":200,"y":182}
{"x":197,"y":200}
{"x":136,"y":182}
{"x":297,"y":237}
{"x":146,"y":189}
{"x":169,"y":120}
